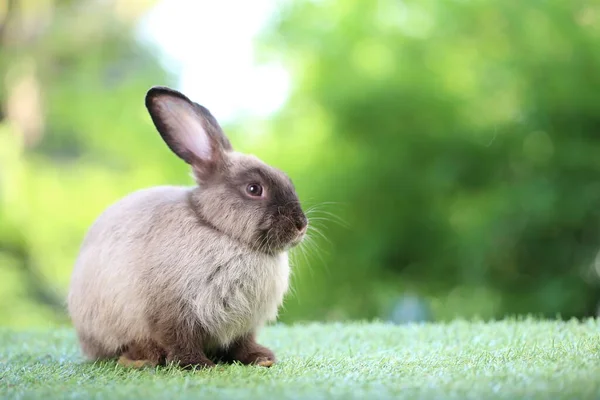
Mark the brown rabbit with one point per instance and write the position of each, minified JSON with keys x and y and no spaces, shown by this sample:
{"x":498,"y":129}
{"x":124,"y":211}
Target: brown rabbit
{"x":188,"y":275}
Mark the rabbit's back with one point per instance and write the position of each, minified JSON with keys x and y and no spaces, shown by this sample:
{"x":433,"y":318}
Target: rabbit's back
{"x":107,"y":298}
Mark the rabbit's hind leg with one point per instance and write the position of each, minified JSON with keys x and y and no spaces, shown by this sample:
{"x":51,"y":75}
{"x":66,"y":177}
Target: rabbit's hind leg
{"x":94,"y":349}
{"x":143,"y":354}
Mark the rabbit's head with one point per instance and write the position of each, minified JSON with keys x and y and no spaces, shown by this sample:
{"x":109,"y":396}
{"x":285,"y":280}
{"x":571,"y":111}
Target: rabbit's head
{"x":238,"y":194}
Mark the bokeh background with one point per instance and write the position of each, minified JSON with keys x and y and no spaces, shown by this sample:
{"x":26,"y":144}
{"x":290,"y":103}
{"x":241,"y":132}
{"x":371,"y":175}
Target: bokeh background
{"x":450,"y":149}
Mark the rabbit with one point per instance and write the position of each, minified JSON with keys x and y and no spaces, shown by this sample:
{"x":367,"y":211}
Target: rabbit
{"x":188,"y":275}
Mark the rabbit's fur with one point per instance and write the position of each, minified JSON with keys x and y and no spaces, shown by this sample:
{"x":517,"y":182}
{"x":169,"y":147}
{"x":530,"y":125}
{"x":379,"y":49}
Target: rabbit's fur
{"x":188,"y":274}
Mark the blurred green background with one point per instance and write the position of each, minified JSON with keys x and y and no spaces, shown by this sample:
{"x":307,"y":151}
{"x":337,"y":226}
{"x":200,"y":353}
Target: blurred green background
{"x":450,"y":149}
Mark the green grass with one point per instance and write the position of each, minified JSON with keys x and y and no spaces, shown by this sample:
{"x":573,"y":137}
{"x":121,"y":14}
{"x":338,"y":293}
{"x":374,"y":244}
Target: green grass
{"x":508,"y":360}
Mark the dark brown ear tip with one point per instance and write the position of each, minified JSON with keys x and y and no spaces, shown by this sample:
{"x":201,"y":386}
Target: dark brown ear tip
{"x":156,"y":91}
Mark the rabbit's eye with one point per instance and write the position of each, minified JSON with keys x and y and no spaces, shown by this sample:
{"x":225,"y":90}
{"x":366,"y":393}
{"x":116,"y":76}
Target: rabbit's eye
{"x":254,"y":190}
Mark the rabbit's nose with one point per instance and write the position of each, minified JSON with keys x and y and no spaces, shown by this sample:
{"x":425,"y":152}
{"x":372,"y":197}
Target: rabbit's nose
{"x":301,"y":224}
{"x":302,"y":231}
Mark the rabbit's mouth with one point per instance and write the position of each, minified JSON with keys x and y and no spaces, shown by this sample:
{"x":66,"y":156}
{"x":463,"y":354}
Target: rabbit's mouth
{"x":276,"y":240}
{"x":299,"y":237}
{"x":296,"y":238}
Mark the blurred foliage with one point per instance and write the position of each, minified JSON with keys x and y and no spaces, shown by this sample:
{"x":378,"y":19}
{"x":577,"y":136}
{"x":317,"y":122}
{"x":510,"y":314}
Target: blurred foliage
{"x":73,"y":138}
{"x":461,"y":140}
{"x":458,"y":142}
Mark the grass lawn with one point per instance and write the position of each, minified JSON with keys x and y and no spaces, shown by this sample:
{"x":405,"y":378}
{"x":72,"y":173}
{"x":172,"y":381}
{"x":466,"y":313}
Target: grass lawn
{"x":513,"y":359}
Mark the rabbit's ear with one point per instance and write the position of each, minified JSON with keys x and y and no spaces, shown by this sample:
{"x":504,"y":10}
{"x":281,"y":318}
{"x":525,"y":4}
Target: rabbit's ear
{"x":188,"y":129}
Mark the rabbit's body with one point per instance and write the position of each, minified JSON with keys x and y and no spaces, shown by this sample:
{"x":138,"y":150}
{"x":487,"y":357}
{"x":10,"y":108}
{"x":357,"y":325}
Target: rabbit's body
{"x":184,"y":274}
{"x":204,"y":276}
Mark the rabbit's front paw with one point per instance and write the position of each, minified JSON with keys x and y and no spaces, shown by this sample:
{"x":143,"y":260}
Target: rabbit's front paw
{"x":264,"y":361}
{"x":248,"y":352}
{"x":260,"y":356}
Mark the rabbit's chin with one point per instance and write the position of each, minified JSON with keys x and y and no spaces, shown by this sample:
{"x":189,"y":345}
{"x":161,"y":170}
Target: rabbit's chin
{"x":274,"y":245}
{"x":290,"y":244}
{"x":296,"y":241}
